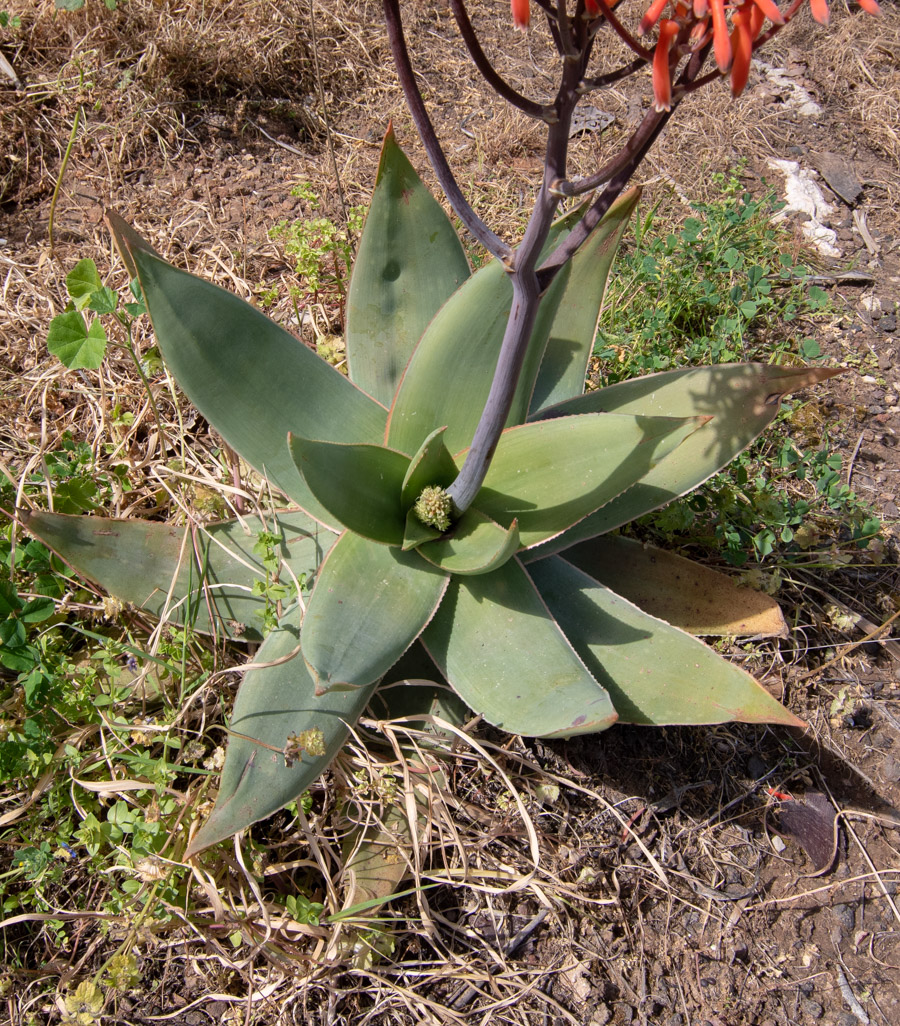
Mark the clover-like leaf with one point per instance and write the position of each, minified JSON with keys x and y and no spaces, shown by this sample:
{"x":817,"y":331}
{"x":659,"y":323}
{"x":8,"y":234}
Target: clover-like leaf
{"x":77,"y":345}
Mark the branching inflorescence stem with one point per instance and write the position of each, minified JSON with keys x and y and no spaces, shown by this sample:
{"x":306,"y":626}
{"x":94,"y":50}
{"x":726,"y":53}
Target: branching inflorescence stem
{"x":686,"y":39}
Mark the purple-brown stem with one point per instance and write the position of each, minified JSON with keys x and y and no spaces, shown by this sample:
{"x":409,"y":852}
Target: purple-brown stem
{"x":500,"y":86}
{"x":491,"y":241}
{"x":527,"y":293}
{"x":574,"y":38}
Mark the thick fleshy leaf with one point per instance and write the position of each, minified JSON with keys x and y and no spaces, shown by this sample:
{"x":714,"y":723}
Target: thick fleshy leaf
{"x":550,"y":474}
{"x":251,"y":379}
{"x":571,"y":343}
{"x":369,"y":604}
{"x":414,"y":687}
{"x":742,"y":398}
{"x":655,"y":673}
{"x":277,"y":728}
{"x":506,"y":657}
{"x":678,"y":590}
{"x":416,"y":532}
{"x":431,"y":465}
{"x":450,"y":373}
{"x":359,"y":485}
{"x":475,"y":545}
{"x":203,"y":576}
{"x":410,"y":261}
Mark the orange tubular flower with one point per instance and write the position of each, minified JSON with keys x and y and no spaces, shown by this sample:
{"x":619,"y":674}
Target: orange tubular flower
{"x":721,"y":38}
{"x":757,"y":18}
{"x":662,"y":76}
{"x":770,"y":10}
{"x":652,"y":16}
{"x":742,"y":44}
{"x":819,"y":9}
{"x":521,"y":12}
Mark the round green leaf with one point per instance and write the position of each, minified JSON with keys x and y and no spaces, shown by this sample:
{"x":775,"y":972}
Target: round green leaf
{"x":76,"y":345}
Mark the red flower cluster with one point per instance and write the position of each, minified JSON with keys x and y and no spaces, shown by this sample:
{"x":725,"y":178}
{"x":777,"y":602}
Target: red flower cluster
{"x":692,"y":23}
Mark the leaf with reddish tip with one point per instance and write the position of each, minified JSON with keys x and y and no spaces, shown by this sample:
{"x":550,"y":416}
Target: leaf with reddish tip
{"x":550,"y":474}
{"x":252,"y":380}
{"x":276,"y":702}
{"x":655,"y":673}
{"x":474,"y":545}
{"x":678,"y":590}
{"x":359,"y":485}
{"x":571,"y":343}
{"x":126,"y":240}
{"x":409,"y":262}
{"x":202,"y":576}
{"x":741,"y":398}
{"x":369,"y":604}
{"x":497,"y":644}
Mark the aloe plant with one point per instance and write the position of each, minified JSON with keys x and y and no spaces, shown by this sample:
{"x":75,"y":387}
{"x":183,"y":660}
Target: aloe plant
{"x":454,"y":495}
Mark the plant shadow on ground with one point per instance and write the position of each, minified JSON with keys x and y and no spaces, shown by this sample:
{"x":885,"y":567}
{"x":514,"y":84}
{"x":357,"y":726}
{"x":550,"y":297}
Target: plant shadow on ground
{"x":670,"y":899}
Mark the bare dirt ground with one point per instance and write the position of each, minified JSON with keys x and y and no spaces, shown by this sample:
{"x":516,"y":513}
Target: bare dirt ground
{"x":671,"y":887}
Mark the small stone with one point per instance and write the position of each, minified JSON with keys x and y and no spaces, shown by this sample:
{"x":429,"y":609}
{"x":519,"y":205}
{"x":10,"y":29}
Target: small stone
{"x":813,"y":1009}
{"x":846,"y":916}
{"x":871,"y":305}
{"x":888,"y":323}
{"x":839,"y":175}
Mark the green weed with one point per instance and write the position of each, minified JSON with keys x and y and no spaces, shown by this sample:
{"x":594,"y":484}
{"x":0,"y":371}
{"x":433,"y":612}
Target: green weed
{"x":322,"y":253}
{"x":718,"y":289}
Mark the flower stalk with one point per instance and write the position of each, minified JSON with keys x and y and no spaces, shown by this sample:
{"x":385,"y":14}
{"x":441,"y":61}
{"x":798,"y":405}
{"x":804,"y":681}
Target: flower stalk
{"x":687,"y":33}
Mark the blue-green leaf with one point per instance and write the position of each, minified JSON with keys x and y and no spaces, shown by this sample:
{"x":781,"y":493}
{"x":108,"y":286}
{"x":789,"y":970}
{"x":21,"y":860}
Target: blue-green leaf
{"x":369,"y":604}
{"x":409,"y":263}
{"x":497,"y":644}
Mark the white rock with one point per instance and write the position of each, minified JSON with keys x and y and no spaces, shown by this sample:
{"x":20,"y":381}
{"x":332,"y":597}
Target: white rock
{"x":803,"y":195}
{"x":795,"y":96}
